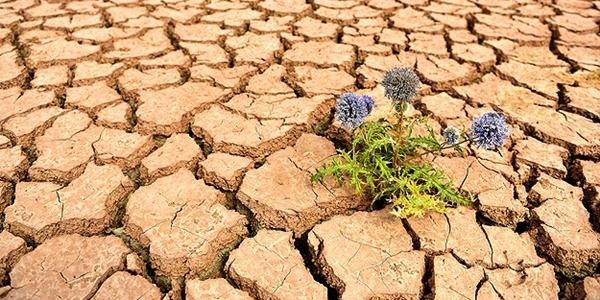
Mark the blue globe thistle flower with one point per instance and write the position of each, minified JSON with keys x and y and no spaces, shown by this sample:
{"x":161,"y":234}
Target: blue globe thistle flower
{"x":401,"y":84}
{"x":451,"y":135}
{"x":352,"y":109}
{"x":489,"y":130}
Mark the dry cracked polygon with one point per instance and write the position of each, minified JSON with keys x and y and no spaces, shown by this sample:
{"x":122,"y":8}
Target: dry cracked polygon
{"x":315,"y":30}
{"x":321,"y":54}
{"x":184,"y":225}
{"x":12,"y":248}
{"x":116,"y":116}
{"x":584,"y":101}
{"x":104,"y":35}
{"x":510,"y":249}
{"x":226,"y":5}
{"x":586,"y":58}
{"x":369,"y":27}
{"x":45,"y":10}
{"x":120,"y":14}
{"x":529,"y":31}
{"x":133,"y":80}
{"x":269,"y":190}
{"x":217,"y":288}
{"x":179,"y":13}
{"x":371,"y":72}
{"x":568,"y":38}
{"x":272,"y":25}
{"x":412,"y":20}
{"x":444,"y":107}
{"x":457,"y":231}
{"x":123,"y":285}
{"x":538,"y":283}
{"x":60,"y":51}
{"x":232,"y":78}
{"x":453,"y":22}
{"x":368,"y":256}
{"x":13,"y":164}
{"x":575,"y":22}
{"x":234,"y":18}
{"x":144,"y":22}
{"x":90,"y":71}
{"x":304,"y":112}
{"x":542,"y":80}
{"x":9,"y":61}
{"x":443,"y":73}
{"x":153,"y":42}
{"x":207,"y":54}
{"x":564,"y":233}
{"x":9,"y":18}
{"x":170,"y":110}
{"x":268,"y":266}
{"x":86,"y":206}
{"x":232,"y":133}
{"x":273,"y":122}
{"x":366,"y":45}
{"x":178,"y":151}
{"x":538,"y":56}
{"x":578,"y":134}
{"x":322,"y":81}
{"x":430,"y":44}
{"x":91,"y":99}
{"x":224,"y":170}
{"x":259,"y":50}
{"x":15,"y":101}
{"x":347,"y":16}
{"x":67,"y":267}
{"x":297,"y":8}
{"x":270,"y":81}
{"x":171,"y":59}
{"x":54,"y":76}
{"x":121,"y":148}
{"x":65,"y":148}
{"x":395,"y":38}
{"x":483,"y":57}
{"x":24,"y":128}
{"x":73,"y":22}
{"x":461,"y":36}
{"x":547,"y":158}
{"x":201,"y":33}
{"x":453,"y":280}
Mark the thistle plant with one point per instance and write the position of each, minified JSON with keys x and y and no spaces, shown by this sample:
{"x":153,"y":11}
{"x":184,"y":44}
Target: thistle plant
{"x":391,"y":162}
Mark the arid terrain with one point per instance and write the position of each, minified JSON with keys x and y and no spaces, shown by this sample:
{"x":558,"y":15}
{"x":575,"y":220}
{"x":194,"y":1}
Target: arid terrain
{"x":163,"y":149}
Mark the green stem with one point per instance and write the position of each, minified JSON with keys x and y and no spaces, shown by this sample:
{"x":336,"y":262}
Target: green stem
{"x":436,"y":150}
{"x":399,"y":132}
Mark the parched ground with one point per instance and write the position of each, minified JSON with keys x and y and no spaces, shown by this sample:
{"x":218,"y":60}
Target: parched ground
{"x":163,"y":149}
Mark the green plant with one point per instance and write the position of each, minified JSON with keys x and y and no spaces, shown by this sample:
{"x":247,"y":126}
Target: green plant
{"x":390,"y":161}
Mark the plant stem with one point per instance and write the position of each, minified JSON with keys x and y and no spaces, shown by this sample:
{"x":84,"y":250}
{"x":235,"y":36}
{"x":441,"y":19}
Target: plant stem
{"x":399,"y":132}
{"x":434,"y":150}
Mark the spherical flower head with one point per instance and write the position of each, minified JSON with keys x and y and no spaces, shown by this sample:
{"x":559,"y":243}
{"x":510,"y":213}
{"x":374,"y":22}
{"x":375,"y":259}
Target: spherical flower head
{"x":451,"y":135}
{"x":401,"y":84}
{"x":352,"y":109}
{"x":489,"y":130}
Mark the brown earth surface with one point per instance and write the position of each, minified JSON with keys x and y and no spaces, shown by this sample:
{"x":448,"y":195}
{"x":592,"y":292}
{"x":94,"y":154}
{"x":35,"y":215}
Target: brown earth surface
{"x":163,"y":149}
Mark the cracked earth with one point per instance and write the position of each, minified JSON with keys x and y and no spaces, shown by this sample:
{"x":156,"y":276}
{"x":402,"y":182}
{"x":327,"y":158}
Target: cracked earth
{"x":163,"y":149}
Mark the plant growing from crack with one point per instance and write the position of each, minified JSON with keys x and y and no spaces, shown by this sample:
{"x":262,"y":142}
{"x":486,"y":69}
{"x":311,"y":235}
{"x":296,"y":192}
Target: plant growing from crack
{"x":390,"y":161}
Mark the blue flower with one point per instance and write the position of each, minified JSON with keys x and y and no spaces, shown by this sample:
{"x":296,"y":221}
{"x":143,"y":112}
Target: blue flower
{"x":451,"y":135}
{"x":401,"y":84}
{"x":352,"y":109}
{"x":489,"y":130}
